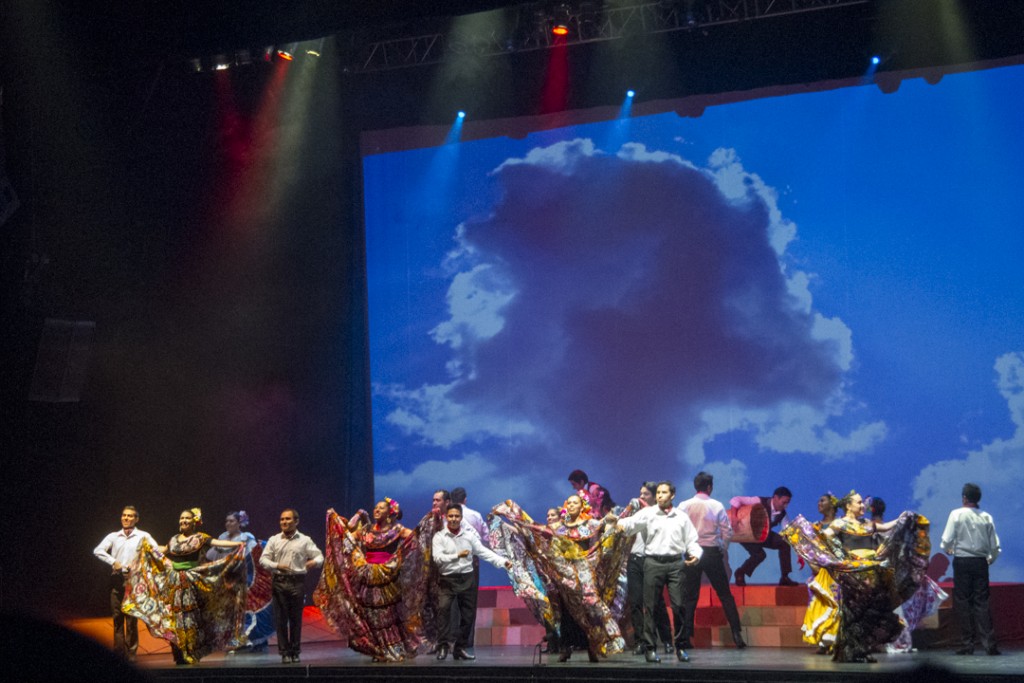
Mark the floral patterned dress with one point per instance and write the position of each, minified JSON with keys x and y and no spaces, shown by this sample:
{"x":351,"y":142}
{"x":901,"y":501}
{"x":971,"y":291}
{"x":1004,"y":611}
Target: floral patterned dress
{"x":577,"y":571}
{"x":372,"y":589}
{"x":872,"y":583}
{"x":197,"y":608}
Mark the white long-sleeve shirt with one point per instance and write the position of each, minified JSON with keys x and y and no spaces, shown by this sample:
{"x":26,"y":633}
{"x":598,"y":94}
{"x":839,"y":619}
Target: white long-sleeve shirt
{"x":665,"y":533}
{"x":294,"y":552}
{"x":971,"y":533}
{"x":475,"y":520}
{"x":446,"y":546}
{"x":122,"y":547}
{"x":710,"y":520}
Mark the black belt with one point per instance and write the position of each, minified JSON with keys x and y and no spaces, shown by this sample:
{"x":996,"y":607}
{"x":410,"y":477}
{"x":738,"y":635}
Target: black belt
{"x":289,"y":577}
{"x":665,"y":558}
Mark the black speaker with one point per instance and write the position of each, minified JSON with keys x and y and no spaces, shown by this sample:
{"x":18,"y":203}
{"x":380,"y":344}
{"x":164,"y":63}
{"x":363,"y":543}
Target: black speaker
{"x":63,"y":361}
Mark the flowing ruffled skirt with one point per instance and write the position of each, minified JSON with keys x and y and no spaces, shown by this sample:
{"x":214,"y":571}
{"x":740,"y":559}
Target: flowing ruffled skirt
{"x":197,"y":610}
{"x":821,"y":621}
{"x":589,"y":584}
{"x":871,"y":588}
{"x":377,"y":606}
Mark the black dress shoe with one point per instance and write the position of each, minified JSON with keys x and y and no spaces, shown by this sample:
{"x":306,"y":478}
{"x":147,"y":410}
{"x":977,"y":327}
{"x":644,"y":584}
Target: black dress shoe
{"x":295,"y":658}
{"x":786,"y":581}
{"x":286,"y":659}
{"x":565,"y":654}
{"x":737,"y":638}
{"x":442,"y":652}
{"x":651,"y":657}
{"x":682,"y":656}
{"x":992,"y":650}
{"x":460,"y":653}
{"x":669,"y":649}
{"x":965,"y":651}
{"x":639,"y":649}
{"x":741,"y":580}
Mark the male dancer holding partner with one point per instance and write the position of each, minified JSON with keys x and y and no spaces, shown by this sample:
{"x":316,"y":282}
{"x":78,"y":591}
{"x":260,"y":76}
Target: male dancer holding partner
{"x":453,"y":549}
{"x":118,"y":549}
{"x":288,"y":556}
{"x":713,"y":534}
{"x":970,"y":537}
{"x":668,"y":536}
{"x":775,"y":506}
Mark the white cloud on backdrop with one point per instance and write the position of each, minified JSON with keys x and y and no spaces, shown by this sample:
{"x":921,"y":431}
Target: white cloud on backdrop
{"x":998,"y":467}
{"x":632,"y":304}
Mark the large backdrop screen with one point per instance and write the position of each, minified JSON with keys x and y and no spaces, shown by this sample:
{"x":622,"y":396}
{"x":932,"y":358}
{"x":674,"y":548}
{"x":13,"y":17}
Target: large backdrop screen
{"x":822,"y":290}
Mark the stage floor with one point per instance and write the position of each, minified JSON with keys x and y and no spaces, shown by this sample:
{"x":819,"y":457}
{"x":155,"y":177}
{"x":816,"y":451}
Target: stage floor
{"x":323,"y":661}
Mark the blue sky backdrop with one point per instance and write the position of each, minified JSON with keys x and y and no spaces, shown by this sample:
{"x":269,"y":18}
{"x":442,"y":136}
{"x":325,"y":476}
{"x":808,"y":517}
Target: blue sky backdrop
{"x":822,"y":290}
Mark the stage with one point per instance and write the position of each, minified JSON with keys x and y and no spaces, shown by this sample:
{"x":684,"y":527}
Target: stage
{"x":506,"y":634}
{"x":330,"y":661}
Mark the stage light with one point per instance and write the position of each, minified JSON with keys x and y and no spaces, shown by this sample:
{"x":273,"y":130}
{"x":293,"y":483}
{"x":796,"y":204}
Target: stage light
{"x":461,"y":115}
{"x":221,"y":63}
{"x":315,"y":48}
{"x":560,"y":20}
{"x":876,"y":60}
{"x":287,"y":52}
{"x":630,"y":93}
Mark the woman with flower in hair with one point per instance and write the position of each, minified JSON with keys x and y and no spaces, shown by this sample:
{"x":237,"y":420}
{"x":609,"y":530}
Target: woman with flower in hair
{"x":373,"y":582}
{"x":821,"y":621}
{"x":197,"y":608}
{"x":569,"y":575}
{"x":259,"y":618}
{"x":872,"y":581}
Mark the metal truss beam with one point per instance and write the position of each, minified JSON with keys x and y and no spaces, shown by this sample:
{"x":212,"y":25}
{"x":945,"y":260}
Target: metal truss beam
{"x":585,"y":24}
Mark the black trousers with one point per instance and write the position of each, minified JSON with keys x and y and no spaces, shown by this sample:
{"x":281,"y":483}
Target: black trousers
{"x":287,"y":598}
{"x":712,"y":565}
{"x":455,"y":589}
{"x":660,"y":572}
{"x":970,"y":601}
{"x":635,"y":597}
{"x":758,"y":555}
{"x":126,"y":628}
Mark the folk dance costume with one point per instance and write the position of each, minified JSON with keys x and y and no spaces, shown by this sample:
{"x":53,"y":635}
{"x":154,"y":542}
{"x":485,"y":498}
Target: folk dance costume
{"x":259,"y":618}
{"x":871,"y":584}
{"x":569,"y":576}
{"x":373,"y":587}
{"x":821,"y":620}
{"x":196,"y":608}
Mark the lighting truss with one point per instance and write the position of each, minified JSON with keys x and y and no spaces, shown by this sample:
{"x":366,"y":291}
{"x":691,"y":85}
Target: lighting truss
{"x":587,"y":22}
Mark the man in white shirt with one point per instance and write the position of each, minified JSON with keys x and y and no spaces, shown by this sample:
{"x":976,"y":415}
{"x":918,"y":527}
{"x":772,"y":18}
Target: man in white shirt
{"x":288,"y":556}
{"x":475,"y":521}
{"x":452,"y":552}
{"x":713,"y":533}
{"x":118,"y":550}
{"x":668,"y":536}
{"x":970,"y":537}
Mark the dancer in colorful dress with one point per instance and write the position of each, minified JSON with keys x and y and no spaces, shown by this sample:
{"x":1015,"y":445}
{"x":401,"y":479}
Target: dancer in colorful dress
{"x":259,"y":619}
{"x":568,"y":576}
{"x":196,"y":608}
{"x":872,"y":583}
{"x":373,"y":585}
{"x":821,"y":621}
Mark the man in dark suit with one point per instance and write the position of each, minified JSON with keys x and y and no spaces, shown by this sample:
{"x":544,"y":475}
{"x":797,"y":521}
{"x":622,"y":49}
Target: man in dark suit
{"x":775,"y":506}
